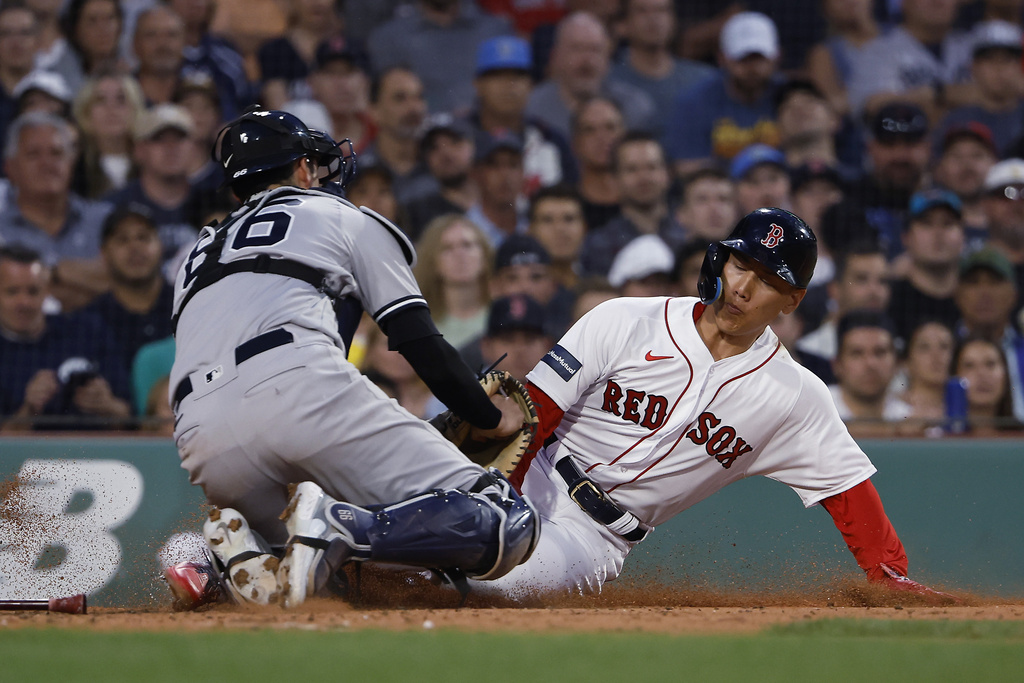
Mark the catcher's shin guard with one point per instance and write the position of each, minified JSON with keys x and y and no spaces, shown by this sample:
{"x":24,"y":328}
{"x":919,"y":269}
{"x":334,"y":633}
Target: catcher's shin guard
{"x":482,"y":533}
{"x":518,"y":530}
{"x":316,"y":547}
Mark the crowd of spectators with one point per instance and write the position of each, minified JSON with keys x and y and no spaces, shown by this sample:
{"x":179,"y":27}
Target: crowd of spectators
{"x":543,"y":157}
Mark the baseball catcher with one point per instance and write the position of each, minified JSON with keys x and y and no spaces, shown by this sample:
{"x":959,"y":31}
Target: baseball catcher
{"x":265,"y":308}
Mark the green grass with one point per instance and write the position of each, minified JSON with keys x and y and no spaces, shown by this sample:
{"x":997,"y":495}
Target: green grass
{"x":821,"y":651}
{"x":905,"y":630}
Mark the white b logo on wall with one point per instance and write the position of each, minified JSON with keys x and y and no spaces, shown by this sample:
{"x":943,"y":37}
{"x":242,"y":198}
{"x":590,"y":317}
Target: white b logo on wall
{"x":35,"y":523}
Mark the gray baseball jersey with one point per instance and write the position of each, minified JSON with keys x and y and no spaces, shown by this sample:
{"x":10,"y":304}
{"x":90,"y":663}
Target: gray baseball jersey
{"x":251,"y":424}
{"x":362,"y":256}
{"x":897,"y":62}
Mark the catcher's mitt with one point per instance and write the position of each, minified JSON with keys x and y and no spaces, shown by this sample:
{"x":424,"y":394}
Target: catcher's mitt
{"x":505,"y":453}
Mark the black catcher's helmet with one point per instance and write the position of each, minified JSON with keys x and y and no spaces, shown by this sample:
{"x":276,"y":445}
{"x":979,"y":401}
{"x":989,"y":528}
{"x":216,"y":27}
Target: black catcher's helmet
{"x":773,"y":237}
{"x":264,"y":139}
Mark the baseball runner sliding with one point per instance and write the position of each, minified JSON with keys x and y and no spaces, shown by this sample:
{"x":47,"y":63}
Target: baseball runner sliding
{"x":648,"y":406}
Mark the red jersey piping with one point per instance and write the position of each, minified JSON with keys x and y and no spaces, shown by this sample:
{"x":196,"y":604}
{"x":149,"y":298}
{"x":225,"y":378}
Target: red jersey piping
{"x":778,"y":345}
{"x":669,"y":415}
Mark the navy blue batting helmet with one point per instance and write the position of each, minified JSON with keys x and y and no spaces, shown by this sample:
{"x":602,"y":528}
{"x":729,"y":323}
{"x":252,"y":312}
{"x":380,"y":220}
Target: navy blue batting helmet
{"x":776,"y":238}
{"x":264,"y":139}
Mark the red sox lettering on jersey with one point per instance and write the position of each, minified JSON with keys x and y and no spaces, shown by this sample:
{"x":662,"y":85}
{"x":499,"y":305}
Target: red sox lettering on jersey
{"x":716,"y":442}
{"x":650,"y":410}
{"x":628,"y":405}
{"x":660,"y":425}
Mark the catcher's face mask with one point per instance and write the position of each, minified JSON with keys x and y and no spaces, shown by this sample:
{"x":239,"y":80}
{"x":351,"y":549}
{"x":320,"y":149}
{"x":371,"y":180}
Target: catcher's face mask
{"x":261,"y":140}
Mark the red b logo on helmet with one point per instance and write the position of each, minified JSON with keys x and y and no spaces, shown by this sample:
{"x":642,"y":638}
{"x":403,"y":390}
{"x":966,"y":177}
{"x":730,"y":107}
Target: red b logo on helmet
{"x":773,"y":238}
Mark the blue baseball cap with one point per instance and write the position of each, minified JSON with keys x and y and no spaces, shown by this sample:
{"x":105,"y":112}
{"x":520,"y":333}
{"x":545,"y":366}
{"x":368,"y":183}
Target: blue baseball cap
{"x":755,"y":155}
{"x":927,"y":200}
{"x":899,"y":122}
{"x":515,"y":312}
{"x":442,"y":122}
{"x":503,"y":52}
{"x":487,"y":144}
{"x":520,"y":250}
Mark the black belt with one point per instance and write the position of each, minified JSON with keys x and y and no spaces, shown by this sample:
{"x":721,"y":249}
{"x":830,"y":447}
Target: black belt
{"x":593,"y":500}
{"x":243,"y":352}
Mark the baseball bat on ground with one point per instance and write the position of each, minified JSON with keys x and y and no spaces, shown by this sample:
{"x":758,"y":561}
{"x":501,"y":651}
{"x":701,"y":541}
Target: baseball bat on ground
{"x":73,"y":605}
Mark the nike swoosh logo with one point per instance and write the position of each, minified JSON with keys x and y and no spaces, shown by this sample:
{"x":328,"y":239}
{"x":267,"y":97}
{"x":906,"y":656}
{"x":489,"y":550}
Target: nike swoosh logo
{"x":650,"y":356}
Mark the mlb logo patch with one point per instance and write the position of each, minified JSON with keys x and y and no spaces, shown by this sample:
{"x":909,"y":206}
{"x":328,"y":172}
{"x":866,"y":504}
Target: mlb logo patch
{"x":213,"y":375}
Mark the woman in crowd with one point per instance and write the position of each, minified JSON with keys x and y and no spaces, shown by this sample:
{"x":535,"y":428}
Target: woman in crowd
{"x":928,"y":355}
{"x":93,"y":30}
{"x":597,"y":126}
{"x":453,"y":272}
{"x":989,"y":404}
{"x":105,"y":110}
{"x":851,"y":26}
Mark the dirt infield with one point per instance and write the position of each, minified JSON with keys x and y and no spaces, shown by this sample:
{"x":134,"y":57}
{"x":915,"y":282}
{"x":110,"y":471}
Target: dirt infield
{"x":383,"y":603}
{"x":324,"y":615}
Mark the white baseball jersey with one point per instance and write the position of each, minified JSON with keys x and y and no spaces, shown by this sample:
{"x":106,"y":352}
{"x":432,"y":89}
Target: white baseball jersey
{"x":660,"y":425}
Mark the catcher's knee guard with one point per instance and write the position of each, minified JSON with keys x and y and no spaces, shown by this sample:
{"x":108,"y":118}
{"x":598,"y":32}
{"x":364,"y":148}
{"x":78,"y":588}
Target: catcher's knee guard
{"x":519,"y":528}
{"x":484,"y":532}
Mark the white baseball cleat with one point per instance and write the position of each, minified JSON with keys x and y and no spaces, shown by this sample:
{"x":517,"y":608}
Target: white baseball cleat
{"x":249,"y":568}
{"x":319,"y":541}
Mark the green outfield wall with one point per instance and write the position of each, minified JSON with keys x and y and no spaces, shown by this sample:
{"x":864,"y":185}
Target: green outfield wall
{"x":90,"y":514}
{"x":957,"y":505}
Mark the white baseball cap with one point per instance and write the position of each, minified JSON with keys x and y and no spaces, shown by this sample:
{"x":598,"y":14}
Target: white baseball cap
{"x":643,"y":256}
{"x":49,"y":82}
{"x":997,"y":35}
{"x":1006,"y":172}
{"x":749,"y":33}
{"x":163,"y":117}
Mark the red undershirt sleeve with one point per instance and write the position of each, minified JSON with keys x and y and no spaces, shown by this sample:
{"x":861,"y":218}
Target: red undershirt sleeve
{"x":860,"y":518}
{"x":549,"y":415}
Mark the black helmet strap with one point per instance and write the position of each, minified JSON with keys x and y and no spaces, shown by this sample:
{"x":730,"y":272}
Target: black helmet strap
{"x":709,"y":285}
